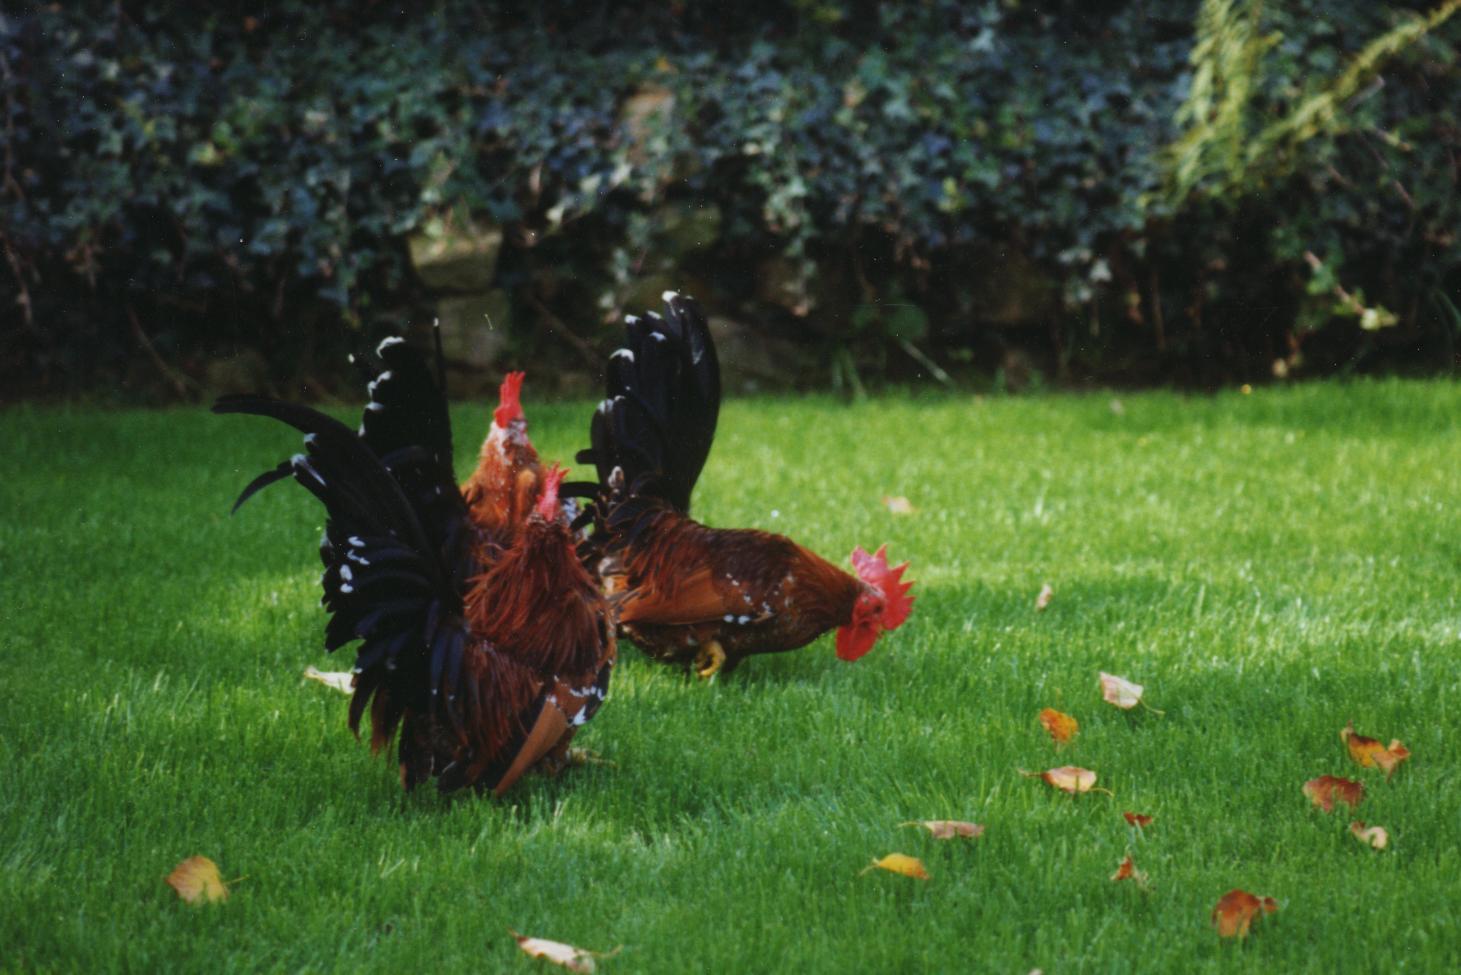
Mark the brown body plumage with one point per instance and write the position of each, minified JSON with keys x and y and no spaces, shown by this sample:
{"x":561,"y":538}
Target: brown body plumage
{"x":546,"y":651}
{"x":685,"y":586}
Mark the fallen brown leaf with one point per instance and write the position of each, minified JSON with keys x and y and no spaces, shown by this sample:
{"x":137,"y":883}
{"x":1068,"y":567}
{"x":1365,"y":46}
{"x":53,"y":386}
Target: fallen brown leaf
{"x":898,"y":505}
{"x":1235,"y":912}
{"x":1326,"y":789}
{"x":900,"y":863}
{"x":342,"y":681}
{"x":1062,"y":727}
{"x":948,"y":829}
{"x":197,"y":881}
{"x":574,"y":959}
{"x":1370,"y":753}
{"x":1068,"y":778}
{"x":1123,"y":693}
{"x":1139,"y":820}
{"x":1043,"y":600}
{"x":1373,"y":836}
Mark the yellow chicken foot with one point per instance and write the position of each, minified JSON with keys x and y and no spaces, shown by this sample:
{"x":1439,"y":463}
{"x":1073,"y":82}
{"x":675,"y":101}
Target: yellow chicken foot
{"x":558,"y":761}
{"x":709,"y":660}
{"x":579,"y":757}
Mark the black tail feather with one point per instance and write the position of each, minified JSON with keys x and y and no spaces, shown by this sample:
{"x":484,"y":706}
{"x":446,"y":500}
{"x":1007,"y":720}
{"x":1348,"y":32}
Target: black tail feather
{"x":657,"y":421}
{"x":396,"y":548}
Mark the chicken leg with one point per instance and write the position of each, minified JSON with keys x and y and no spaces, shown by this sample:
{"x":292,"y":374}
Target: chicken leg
{"x":709,"y":660}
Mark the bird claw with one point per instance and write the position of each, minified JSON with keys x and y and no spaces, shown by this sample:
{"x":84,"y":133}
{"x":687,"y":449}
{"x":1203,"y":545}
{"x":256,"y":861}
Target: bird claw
{"x":709,"y":660}
{"x":556,"y":763}
{"x":579,"y":757}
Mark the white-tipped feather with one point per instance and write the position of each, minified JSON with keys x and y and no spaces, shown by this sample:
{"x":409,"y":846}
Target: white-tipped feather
{"x":386,"y":343}
{"x":371,"y":386}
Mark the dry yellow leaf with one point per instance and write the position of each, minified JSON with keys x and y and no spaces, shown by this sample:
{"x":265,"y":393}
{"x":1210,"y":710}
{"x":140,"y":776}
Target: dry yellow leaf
{"x":1120,"y":692}
{"x":1068,"y":778}
{"x":342,"y":681}
{"x":1370,"y":753}
{"x":1373,"y":836}
{"x":574,"y":959}
{"x":1235,"y":912}
{"x":1062,"y":727}
{"x":948,"y":829}
{"x":197,"y":881}
{"x":898,"y":505}
{"x":1043,"y":600}
{"x":900,"y":863}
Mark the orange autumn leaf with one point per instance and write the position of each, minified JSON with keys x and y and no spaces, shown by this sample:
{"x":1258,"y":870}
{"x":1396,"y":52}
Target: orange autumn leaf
{"x":1327,"y":789}
{"x":1139,"y":820}
{"x":1127,"y":871}
{"x":900,"y":863}
{"x":948,"y":829}
{"x":340,"y":680}
{"x":1062,"y":727}
{"x":574,"y":959}
{"x":197,"y":881}
{"x":1376,"y":837}
{"x":1068,"y":778}
{"x":1043,"y":600}
{"x":1369,"y":753}
{"x":1235,"y":912}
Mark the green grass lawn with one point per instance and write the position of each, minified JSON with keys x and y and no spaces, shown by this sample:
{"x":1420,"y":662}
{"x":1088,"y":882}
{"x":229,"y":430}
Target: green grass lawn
{"x":1269,"y":566}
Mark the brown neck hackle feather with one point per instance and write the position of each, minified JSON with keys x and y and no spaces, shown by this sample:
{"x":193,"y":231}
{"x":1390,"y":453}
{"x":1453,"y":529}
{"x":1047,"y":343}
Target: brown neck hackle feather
{"x":495,"y":491}
{"x":538,"y":604}
{"x":825,"y":590}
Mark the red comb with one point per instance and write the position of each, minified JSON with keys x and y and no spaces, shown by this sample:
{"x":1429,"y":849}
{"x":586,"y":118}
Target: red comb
{"x":873,"y":569}
{"x":509,"y":400}
{"x":548,"y":501}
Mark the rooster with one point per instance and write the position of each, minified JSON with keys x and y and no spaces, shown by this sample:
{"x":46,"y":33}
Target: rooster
{"x":687,"y":593}
{"x":485,"y":658}
{"x":496,"y":497}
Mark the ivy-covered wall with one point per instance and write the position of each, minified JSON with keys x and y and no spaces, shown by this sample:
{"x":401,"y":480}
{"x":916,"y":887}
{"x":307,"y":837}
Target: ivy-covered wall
{"x":1157,"y":190}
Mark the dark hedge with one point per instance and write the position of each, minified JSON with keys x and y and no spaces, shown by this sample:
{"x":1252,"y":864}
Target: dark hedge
{"x":181,"y":183}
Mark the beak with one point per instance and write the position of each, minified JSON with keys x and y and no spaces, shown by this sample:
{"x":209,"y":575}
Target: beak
{"x":854,"y":641}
